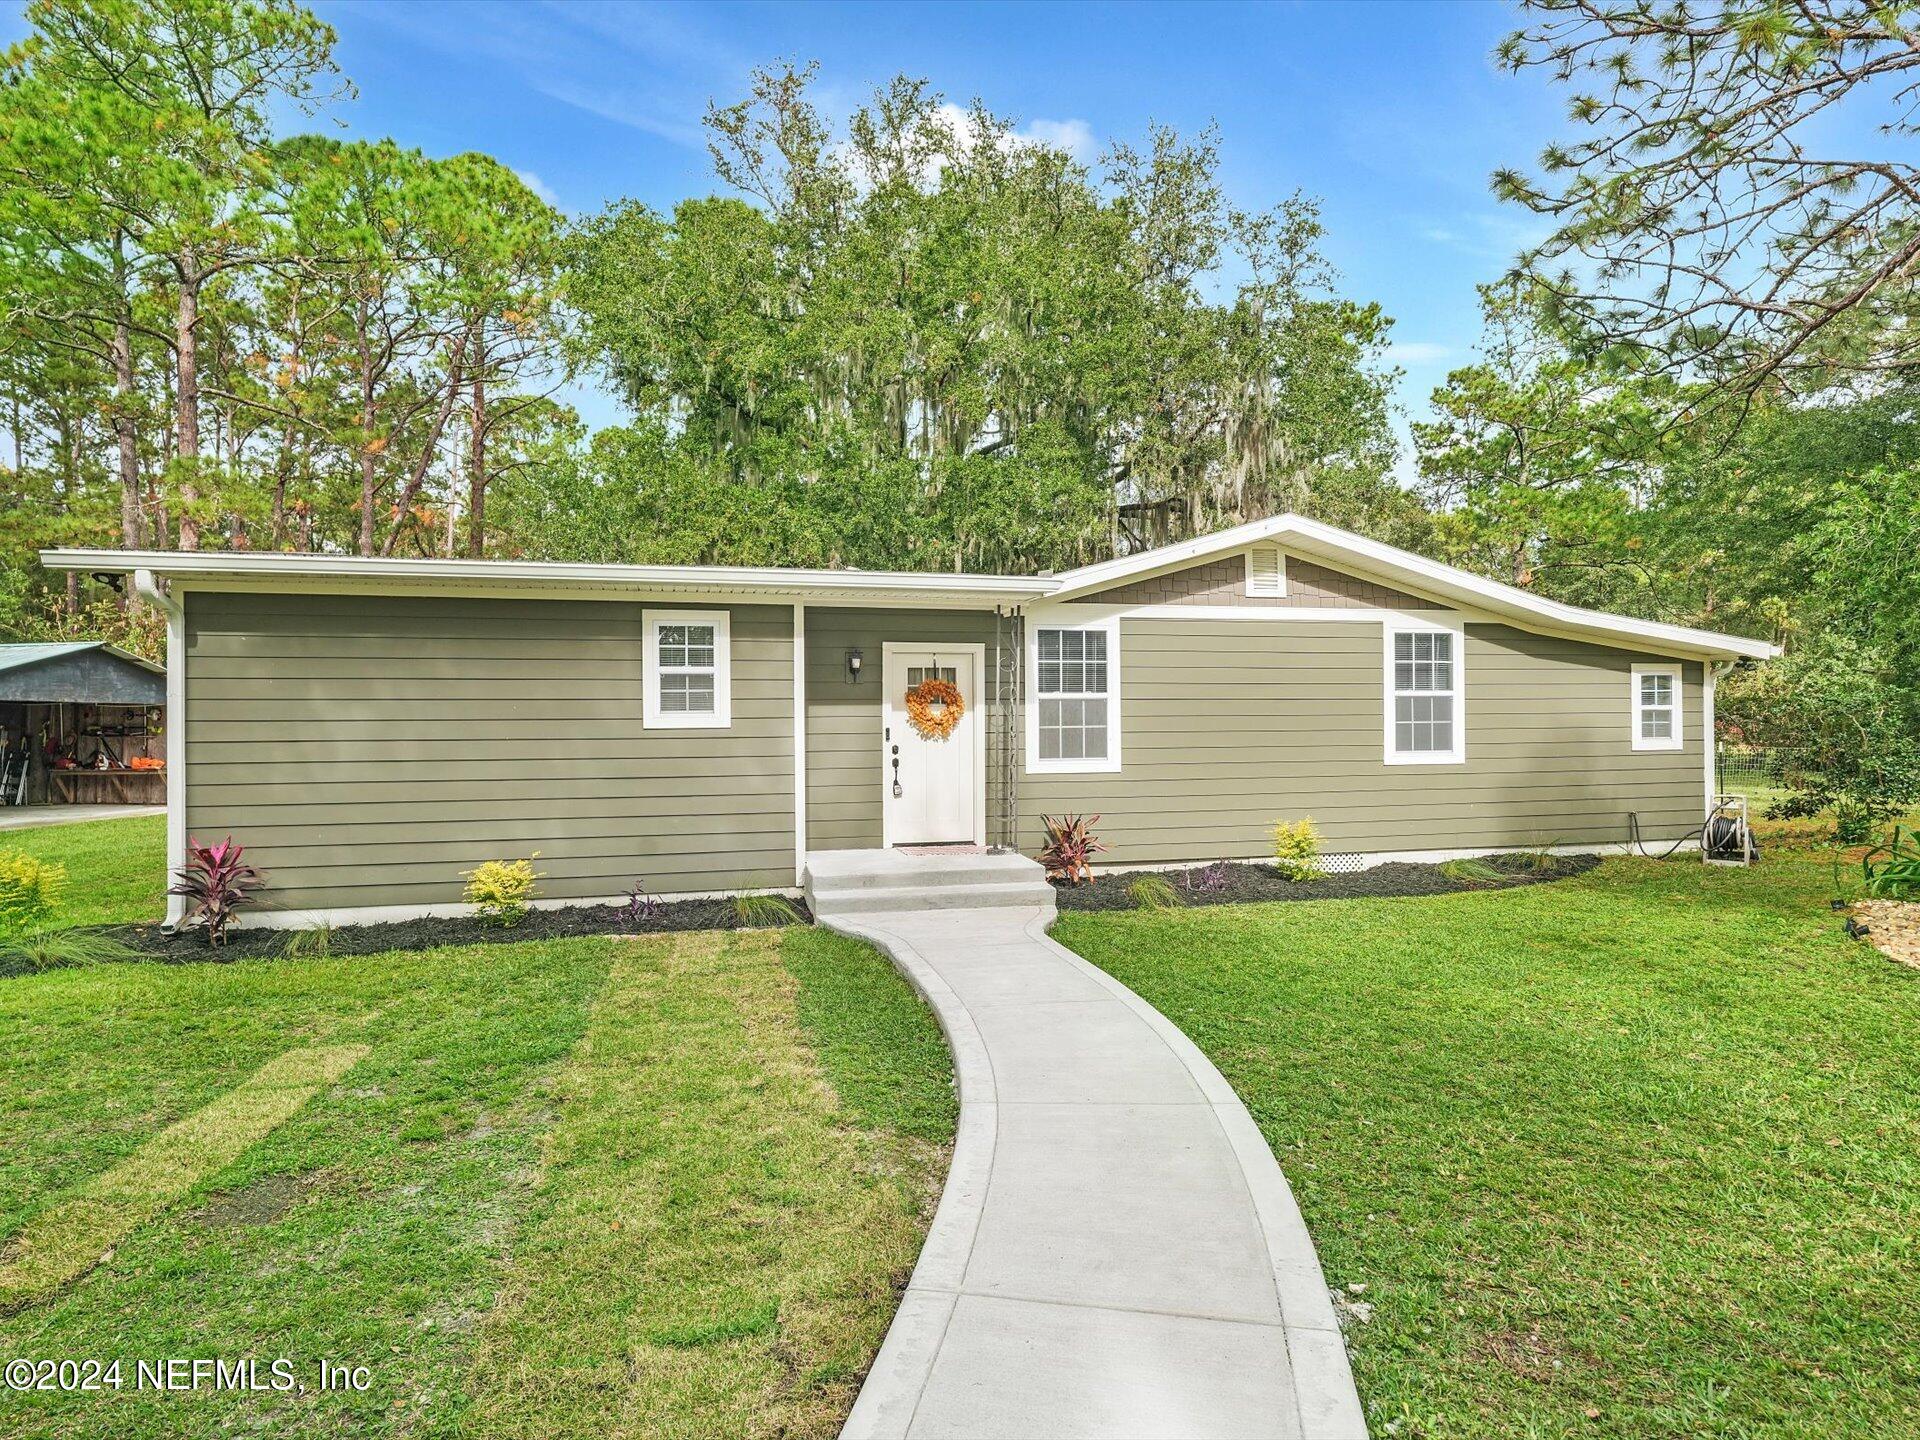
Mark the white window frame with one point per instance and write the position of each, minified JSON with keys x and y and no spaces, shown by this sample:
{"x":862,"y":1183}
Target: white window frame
{"x":1678,"y":740}
{"x":721,"y":717}
{"x":1110,"y":627}
{"x":1402,"y":625}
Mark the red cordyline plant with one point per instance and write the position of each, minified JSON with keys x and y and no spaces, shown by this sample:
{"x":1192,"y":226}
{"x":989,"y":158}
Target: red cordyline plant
{"x":1070,"y":846}
{"x":215,"y":881}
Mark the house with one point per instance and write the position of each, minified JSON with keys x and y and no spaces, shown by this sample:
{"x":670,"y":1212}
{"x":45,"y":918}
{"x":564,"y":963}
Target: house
{"x":370,"y":728}
{"x":80,"y":724}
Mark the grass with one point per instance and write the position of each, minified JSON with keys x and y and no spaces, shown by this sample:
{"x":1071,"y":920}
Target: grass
{"x":1633,"y":1154}
{"x":116,"y":869}
{"x":713,"y":1241}
{"x":680,"y":1172}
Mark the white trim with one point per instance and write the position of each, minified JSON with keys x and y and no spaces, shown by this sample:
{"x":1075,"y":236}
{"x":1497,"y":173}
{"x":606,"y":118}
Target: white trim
{"x":1709,"y":735}
{"x":1085,"y":613}
{"x":1280,"y":573}
{"x":174,"y":607}
{"x":393,"y":574}
{"x":1407,"y":625}
{"x":1310,"y":539}
{"x":1306,"y":539}
{"x":976,"y":652}
{"x":799,"y":742}
{"x":1067,"y":620}
{"x":721,"y":716}
{"x":460,"y":909}
{"x":1676,"y":741}
{"x":1370,"y":858}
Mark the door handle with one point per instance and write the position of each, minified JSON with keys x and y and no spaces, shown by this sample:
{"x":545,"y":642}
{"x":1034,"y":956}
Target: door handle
{"x":897,"y":790}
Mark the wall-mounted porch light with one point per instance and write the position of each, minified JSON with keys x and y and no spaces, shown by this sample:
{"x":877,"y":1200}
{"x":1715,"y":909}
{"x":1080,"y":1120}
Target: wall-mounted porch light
{"x":853,"y":665}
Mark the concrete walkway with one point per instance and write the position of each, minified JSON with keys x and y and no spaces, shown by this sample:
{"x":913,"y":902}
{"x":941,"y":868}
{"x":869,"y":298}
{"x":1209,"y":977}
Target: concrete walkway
{"x":26,"y":817}
{"x":1117,"y":1253}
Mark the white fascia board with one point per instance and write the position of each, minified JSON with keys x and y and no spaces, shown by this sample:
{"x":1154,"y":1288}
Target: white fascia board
{"x":249,"y":569}
{"x":1430,"y":579}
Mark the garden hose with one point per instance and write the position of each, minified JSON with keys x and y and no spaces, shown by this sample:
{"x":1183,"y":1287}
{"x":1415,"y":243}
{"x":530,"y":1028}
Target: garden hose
{"x":1700,"y":832}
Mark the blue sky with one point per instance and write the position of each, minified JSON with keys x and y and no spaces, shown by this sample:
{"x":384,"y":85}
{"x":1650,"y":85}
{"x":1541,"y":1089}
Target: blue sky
{"x":1390,"y":113}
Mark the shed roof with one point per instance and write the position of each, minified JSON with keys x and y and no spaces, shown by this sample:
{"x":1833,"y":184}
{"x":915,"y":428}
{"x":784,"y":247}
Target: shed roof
{"x":86,"y":672}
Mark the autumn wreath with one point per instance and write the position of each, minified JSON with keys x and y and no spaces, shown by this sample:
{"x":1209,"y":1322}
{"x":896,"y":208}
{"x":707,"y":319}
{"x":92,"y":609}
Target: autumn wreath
{"x":934,"y":708}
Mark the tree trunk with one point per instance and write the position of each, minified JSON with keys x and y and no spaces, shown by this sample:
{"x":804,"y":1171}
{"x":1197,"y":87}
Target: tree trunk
{"x":366,"y":499}
{"x":132,"y":532}
{"x":477,"y":468}
{"x":425,"y":462}
{"x":187,"y":405}
{"x":366,"y":438}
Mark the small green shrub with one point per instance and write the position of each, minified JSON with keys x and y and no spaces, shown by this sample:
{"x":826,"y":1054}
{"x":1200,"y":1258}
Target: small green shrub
{"x":1296,"y":849}
{"x":313,"y":943}
{"x":1153,"y":892}
{"x":500,"y":889}
{"x":62,"y":950}
{"x":1470,"y":872}
{"x":1541,"y":860}
{"x":30,"y":891}
{"x":763,"y":912}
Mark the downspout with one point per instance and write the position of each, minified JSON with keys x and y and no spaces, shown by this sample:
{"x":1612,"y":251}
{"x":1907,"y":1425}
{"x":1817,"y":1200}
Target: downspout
{"x":1709,"y":741}
{"x":148,"y":587}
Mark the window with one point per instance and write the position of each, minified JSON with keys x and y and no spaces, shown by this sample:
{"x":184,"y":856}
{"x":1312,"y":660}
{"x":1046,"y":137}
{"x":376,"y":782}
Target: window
{"x":1073,"y":720}
{"x":688,"y":685}
{"x":1656,"y":707}
{"x":1426,"y":723}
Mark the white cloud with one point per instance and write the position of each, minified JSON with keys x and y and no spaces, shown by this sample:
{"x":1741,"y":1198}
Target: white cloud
{"x":621,"y":110}
{"x":1418,"y":352}
{"x":1073,"y":136}
{"x":539,"y":187}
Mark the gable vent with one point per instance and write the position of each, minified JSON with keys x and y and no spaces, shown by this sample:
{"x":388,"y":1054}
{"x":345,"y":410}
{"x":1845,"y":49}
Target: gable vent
{"x":1266,"y":574}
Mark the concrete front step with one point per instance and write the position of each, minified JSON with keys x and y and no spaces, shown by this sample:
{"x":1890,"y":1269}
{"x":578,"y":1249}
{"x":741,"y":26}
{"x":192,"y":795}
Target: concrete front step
{"x":869,"y":882}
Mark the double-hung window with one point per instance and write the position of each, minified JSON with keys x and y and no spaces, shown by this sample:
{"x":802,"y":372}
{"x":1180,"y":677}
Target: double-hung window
{"x":688,"y":685}
{"x":1073,"y":716}
{"x":1426,"y":723}
{"x":1656,"y":707}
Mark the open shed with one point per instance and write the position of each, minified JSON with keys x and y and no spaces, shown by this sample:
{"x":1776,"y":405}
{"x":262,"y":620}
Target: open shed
{"x":81,"y":723}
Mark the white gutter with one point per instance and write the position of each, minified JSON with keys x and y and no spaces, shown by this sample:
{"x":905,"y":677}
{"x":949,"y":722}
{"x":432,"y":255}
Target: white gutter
{"x":400,"y":573}
{"x":148,"y":587}
{"x":1308,"y":538}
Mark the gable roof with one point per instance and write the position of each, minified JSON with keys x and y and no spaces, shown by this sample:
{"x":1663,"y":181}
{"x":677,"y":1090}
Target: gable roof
{"x":1316,"y":540}
{"x":1309,"y":539}
{"x":19,"y":657}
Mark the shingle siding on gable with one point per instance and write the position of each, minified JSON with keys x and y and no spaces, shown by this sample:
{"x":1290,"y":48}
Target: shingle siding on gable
{"x":1224,"y":582}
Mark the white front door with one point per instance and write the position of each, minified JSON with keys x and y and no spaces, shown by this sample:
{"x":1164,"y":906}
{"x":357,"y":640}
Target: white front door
{"x":932,"y":788}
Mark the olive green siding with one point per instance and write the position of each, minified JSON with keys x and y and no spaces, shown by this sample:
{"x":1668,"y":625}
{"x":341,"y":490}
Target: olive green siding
{"x":368,"y":749}
{"x":844,"y":741}
{"x":1229,"y":725}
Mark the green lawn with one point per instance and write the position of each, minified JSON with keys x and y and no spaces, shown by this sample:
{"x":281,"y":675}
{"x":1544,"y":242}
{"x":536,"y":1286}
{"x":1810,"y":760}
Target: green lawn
{"x":1636,"y":1154}
{"x":116,"y":869}
{"x":575,"y":1188}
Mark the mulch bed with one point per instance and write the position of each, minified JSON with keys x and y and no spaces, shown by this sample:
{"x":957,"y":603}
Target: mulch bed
{"x":191,"y":945}
{"x":1239,"y":884}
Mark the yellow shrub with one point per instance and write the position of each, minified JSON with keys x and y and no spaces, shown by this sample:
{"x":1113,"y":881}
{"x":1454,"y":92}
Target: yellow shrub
{"x":500,"y":889}
{"x":1296,"y":849}
{"x":29,"y":891}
